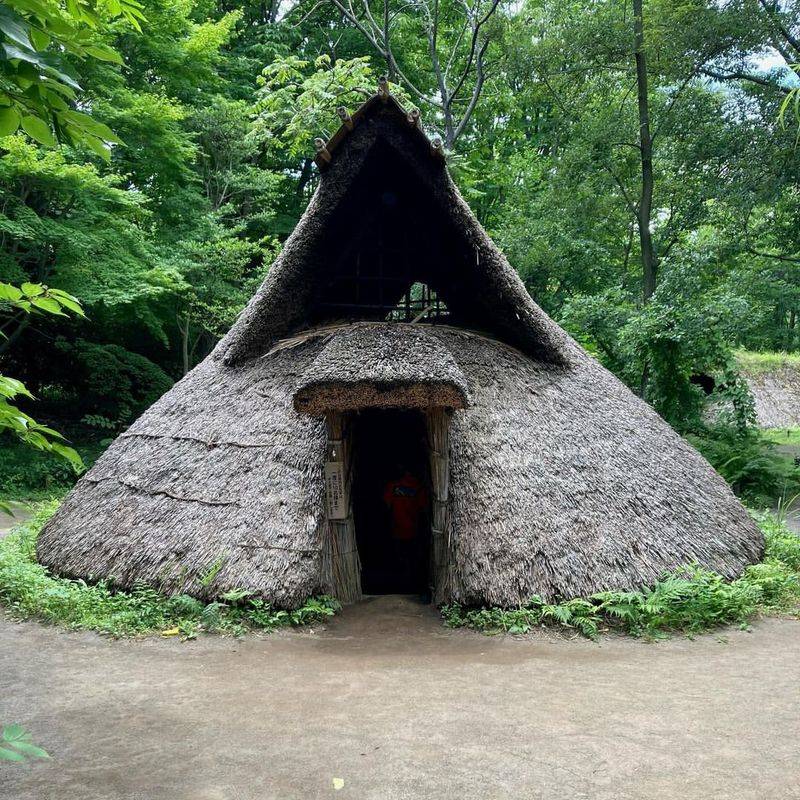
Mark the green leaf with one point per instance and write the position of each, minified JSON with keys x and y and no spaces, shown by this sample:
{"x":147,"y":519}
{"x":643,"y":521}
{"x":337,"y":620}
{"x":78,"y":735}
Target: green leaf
{"x":91,"y":125}
{"x":10,"y":755}
{"x":94,"y":144}
{"x":70,"y":304}
{"x":62,"y":76}
{"x":48,"y":304}
{"x":23,"y":54}
{"x":105,"y":54}
{"x":12,"y":733}
{"x":11,"y":387}
{"x":38,"y":130}
{"x":9,"y":121}
{"x":41,"y":41}
{"x":15,"y":28}
{"x":32,"y":289}
{"x":31,"y":750}
{"x":9,"y":292}
{"x":69,"y":454}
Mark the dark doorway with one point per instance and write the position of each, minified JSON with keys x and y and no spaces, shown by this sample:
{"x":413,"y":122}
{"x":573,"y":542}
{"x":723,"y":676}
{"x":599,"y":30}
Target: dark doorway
{"x":391,"y":500}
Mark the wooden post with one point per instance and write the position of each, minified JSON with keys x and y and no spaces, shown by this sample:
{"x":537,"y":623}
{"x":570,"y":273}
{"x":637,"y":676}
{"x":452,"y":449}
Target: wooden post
{"x":342,"y":564}
{"x":438,"y":422}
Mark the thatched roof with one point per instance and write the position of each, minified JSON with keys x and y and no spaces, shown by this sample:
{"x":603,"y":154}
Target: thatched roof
{"x":367,"y":366}
{"x":480,"y":287}
{"x":562,"y":482}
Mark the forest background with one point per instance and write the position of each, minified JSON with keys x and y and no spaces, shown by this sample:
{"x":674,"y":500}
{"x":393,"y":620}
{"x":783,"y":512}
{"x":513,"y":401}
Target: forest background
{"x":636,"y":160}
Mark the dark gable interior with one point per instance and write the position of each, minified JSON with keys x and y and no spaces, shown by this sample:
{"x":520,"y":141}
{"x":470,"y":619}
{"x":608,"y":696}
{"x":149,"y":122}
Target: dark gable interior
{"x":387,"y":234}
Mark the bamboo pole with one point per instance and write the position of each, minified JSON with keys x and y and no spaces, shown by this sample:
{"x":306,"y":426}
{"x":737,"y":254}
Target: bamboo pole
{"x":438,"y":423}
{"x":341,"y":562}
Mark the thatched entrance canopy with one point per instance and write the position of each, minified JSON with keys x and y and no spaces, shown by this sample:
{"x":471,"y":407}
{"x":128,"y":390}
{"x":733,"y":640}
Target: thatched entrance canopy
{"x":368,"y":366}
{"x":547,"y":475}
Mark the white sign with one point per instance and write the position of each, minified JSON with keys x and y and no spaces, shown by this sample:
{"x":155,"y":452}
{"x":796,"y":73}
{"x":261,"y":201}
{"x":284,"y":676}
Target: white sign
{"x":335,"y":490}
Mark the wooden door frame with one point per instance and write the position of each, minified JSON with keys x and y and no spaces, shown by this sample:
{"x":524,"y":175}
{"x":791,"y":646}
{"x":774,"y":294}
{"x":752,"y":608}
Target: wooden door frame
{"x":341,"y":563}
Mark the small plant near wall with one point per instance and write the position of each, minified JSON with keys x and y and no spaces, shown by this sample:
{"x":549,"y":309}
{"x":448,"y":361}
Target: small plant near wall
{"x":16,"y":745}
{"x":689,"y":600}
{"x":28,"y":590}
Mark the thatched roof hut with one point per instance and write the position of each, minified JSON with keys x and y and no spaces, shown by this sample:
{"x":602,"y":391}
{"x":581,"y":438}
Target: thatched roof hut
{"x":390,"y":313}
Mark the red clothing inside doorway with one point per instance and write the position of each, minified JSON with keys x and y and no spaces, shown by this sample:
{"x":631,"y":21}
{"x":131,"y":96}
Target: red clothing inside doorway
{"x":407,"y":499}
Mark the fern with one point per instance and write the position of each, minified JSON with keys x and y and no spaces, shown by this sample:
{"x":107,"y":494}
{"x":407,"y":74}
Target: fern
{"x":689,"y":599}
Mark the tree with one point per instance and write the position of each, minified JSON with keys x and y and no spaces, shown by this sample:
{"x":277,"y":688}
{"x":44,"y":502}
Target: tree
{"x":38,"y":80}
{"x":457,"y":37}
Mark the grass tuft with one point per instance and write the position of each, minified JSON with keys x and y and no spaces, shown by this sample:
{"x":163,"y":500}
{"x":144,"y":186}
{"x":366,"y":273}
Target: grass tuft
{"x":784,"y":436}
{"x":756,"y":363}
{"x":28,"y":590}
{"x":688,"y":600}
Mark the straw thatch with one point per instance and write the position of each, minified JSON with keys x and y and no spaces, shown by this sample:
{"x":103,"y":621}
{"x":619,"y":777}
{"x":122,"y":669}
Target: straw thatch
{"x":388,"y":366}
{"x":776,"y":394}
{"x":557,"y":480}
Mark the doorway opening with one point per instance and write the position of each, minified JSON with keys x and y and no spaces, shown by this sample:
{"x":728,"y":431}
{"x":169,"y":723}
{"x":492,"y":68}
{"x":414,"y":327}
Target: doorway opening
{"x":392,"y":500}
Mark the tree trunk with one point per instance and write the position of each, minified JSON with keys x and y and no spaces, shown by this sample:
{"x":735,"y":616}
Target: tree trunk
{"x":5,"y":343}
{"x":645,"y":208}
{"x":183,"y":327}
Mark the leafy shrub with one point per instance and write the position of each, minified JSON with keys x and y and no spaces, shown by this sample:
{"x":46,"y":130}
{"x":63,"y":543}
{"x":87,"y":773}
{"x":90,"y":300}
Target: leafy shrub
{"x":26,"y":473}
{"x":749,"y":463}
{"x":29,"y":590}
{"x":111,"y":383}
{"x":691,"y":599}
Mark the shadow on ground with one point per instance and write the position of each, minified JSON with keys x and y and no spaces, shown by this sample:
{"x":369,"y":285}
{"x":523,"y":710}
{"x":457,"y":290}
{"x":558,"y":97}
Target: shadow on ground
{"x":395,"y":706}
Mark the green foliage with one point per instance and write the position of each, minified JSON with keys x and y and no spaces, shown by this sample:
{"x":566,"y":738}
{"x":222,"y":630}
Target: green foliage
{"x":112,"y":386}
{"x":27,"y":474}
{"x":297,"y":99}
{"x":41,"y":41}
{"x":749,"y":462}
{"x":689,"y":600}
{"x":16,"y":744}
{"x":28,"y":590}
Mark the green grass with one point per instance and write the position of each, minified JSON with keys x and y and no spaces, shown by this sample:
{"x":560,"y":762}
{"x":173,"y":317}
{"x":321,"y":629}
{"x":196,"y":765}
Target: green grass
{"x":754,"y":363}
{"x":689,"y":600}
{"x":789,"y":436}
{"x":28,"y":590}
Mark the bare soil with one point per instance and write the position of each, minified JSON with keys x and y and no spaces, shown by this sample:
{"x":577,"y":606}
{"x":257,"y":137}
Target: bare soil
{"x":387,"y":701}
{"x":8,"y":521}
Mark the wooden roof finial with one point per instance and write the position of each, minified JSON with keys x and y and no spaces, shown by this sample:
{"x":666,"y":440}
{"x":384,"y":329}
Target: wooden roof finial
{"x":322,"y":150}
{"x":413,"y":117}
{"x":345,"y":117}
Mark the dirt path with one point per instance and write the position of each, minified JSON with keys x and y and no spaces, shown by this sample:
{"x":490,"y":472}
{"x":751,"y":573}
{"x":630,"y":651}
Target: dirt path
{"x":396,"y":706}
{"x":7,"y":521}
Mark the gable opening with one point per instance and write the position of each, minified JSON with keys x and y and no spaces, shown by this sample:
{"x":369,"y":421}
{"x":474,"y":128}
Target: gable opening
{"x":419,"y":304}
{"x":390,"y":253}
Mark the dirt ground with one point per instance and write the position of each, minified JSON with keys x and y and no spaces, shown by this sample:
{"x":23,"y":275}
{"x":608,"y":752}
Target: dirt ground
{"x":9,"y":521}
{"x":387,"y":701}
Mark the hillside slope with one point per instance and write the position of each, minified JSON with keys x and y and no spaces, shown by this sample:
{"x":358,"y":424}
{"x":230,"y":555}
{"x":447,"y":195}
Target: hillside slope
{"x":774,"y":379}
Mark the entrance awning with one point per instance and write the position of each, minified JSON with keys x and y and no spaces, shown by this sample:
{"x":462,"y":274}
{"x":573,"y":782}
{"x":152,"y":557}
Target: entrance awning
{"x":384,"y":365}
